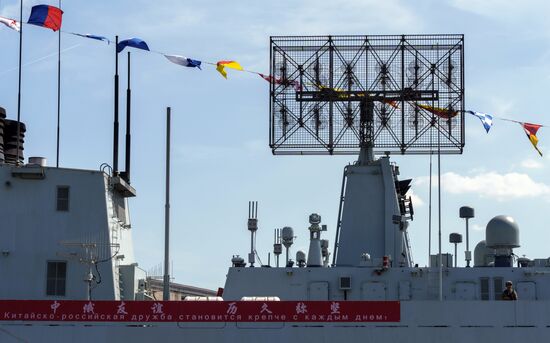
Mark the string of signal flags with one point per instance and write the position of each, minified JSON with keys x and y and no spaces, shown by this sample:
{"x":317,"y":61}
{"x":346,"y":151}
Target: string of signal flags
{"x":51,"y":17}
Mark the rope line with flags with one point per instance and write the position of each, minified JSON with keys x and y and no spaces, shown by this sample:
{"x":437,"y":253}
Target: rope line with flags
{"x":51,"y":17}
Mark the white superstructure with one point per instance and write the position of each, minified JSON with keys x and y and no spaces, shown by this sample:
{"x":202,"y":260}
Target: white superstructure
{"x":60,"y":224}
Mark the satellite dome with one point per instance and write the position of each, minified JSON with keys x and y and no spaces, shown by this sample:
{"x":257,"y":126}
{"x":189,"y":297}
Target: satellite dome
{"x":502,"y":232}
{"x":483,"y":256}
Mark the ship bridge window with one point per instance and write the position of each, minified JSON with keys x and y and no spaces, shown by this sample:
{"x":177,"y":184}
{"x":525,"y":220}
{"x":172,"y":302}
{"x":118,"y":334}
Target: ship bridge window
{"x":484,"y":284}
{"x":63,"y":198}
{"x":56,"y":277}
{"x":498,"y":287}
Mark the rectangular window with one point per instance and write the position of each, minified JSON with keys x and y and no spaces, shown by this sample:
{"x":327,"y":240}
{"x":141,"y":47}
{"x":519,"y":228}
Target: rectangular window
{"x":62,"y":198}
{"x":484,"y":282}
{"x":56,"y":277}
{"x":498,"y":287}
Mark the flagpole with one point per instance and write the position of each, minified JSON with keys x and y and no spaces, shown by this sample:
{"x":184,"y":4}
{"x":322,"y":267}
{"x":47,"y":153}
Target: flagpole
{"x":128,"y":135}
{"x":166,"y":284}
{"x":439,"y":210}
{"x":115,"y":123}
{"x":58,"y":92}
{"x":430,"y":204}
{"x":19,"y":86}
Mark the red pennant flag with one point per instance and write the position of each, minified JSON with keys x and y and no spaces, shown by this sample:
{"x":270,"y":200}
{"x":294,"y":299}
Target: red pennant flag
{"x":531,"y":132}
{"x":440,"y":112}
{"x":279,"y":81}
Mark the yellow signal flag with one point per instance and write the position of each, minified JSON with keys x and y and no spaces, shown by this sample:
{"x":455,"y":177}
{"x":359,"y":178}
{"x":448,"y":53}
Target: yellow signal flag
{"x":531,"y":132}
{"x":392,"y":103}
{"x":221,"y":65}
{"x":440,"y":112}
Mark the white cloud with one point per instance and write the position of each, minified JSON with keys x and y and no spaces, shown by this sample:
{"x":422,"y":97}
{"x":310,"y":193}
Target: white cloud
{"x":501,"y":10}
{"x":478,"y":227}
{"x":13,"y":10}
{"x":531,"y":164}
{"x":343,"y":16}
{"x":494,"y":185}
{"x":416,"y":200}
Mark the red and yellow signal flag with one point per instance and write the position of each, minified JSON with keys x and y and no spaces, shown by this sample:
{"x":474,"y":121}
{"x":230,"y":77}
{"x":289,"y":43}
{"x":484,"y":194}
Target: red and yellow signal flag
{"x":438,"y":111}
{"x":392,"y":103}
{"x":280,"y":81}
{"x":221,"y":65}
{"x":531,"y":132}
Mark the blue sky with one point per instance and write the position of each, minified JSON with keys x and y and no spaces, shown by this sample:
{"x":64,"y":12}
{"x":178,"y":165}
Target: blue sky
{"x":221,"y":157}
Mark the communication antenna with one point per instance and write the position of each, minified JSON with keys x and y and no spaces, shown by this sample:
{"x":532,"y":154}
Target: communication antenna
{"x":417,"y":73}
{"x":317,"y":118}
{"x":93,"y":254}
{"x":277,"y":246}
{"x":317,"y":71}
{"x":449,"y":72}
{"x":285,"y":119}
{"x":467,"y":213}
{"x":252,"y":227}
{"x":455,"y":238}
{"x":280,"y":69}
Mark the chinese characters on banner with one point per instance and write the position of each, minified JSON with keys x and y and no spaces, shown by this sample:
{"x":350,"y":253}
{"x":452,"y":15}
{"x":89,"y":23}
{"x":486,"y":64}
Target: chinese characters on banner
{"x":200,"y":311}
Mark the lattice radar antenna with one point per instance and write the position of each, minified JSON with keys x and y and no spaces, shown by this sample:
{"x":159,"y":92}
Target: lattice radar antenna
{"x":342,"y":94}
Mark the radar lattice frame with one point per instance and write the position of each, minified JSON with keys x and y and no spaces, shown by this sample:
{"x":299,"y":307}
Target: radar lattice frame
{"x":392,"y":93}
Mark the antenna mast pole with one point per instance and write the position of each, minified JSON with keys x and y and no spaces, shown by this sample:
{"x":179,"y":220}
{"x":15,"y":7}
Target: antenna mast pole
{"x":128,"y":117}
{"x":166,"y":288}
{"x":439,"y":213}
{"x":252,"y":227}
{"x":58,"y":93}
{"x":115,"y":123}
{"x":19,"y":86}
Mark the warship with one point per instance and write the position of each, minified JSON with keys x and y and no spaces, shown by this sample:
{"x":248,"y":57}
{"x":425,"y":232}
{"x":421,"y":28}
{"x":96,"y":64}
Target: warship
{"x":69,"y":272}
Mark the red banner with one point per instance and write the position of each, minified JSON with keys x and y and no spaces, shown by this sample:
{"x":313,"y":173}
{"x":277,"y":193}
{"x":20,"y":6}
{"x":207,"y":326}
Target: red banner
{"x":199,"y":311}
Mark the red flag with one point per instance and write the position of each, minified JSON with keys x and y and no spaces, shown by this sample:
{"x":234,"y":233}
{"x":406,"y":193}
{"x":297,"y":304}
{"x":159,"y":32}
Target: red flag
{"x":278,"y":81}
{"x":531,"y":132}
{"x":440,"y":112}
{"x":46,"y":16}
